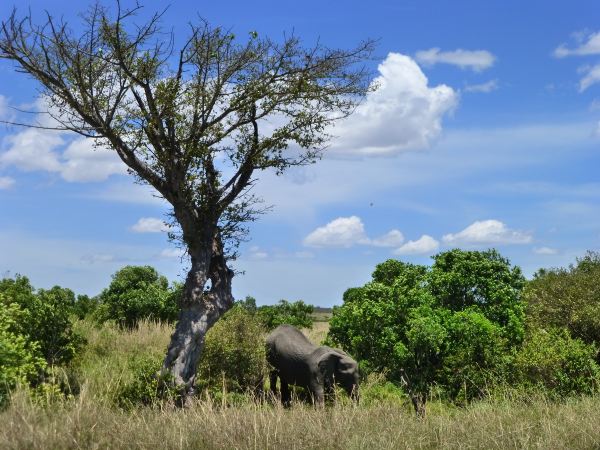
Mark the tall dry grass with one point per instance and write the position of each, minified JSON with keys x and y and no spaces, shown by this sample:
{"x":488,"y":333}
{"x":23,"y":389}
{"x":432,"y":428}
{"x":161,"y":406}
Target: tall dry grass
{"x":84,"y":423}
{"x":90,"y":420}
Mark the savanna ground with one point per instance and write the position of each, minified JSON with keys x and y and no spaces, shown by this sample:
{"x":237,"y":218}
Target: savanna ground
{"x":90,"y":419}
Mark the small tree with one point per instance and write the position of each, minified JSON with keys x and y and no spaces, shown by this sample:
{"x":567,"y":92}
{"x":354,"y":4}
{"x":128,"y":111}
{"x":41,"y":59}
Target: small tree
{"x":196,"y":124}
{"x":136,"y":293}
{"x":449,"y":325}
{"x":46,"y":318}
{"x":20,"y":359}
{"x":295,"y":313}
{"x":235,"y":353}
{"x":568,"y":298}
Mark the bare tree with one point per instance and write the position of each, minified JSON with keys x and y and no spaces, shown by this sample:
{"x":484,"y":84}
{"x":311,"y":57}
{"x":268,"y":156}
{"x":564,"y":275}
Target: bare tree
{"x":195,"y":123}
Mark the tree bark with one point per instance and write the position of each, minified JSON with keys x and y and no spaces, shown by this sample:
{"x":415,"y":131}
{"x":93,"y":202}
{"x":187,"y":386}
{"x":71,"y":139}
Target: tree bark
{"x":418,"y":401}
{"x":200,"y":309}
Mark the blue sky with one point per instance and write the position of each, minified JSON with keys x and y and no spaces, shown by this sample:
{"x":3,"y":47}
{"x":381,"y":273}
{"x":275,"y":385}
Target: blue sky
{"x":485,"y":132}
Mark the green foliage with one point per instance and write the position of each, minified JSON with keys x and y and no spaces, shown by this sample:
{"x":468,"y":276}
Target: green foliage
{"x":450,"y":325}
{"x":234,"y":353}
{"x":568,"y":298}
{"x":147,"y":387}
{"x":136,"y":293}
{"x":45,"y":318}
{"x":84,"y":306}
{"x":20,"y":360}
{"x":295,"y":313}
{"x":249,"y":304}
{"x":556,"y":363}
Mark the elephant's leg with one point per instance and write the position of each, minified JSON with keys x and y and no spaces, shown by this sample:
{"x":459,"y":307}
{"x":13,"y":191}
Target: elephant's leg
{"x":318,"y":394}
{"x":286,"y":396}
{"x":273,"y":383}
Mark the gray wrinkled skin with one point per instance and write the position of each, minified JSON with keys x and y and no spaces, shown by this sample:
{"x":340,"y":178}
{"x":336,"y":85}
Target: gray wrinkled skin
{"x":296,"y":360}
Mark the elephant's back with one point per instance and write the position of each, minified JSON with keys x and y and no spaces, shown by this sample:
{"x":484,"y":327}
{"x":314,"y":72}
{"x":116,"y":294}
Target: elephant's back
{"x":289,"y":336}
{"x":289,"y":351}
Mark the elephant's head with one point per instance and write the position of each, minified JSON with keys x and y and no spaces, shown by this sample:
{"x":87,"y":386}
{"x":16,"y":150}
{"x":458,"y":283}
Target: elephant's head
{"x":339,"y":368}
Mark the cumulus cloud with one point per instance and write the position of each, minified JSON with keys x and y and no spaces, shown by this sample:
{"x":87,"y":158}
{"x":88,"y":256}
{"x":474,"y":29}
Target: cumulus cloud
{"x":392,"y":238}
{"x":38,"y":149}
{"x":32,"y":149}
{"x":485,"y":88}
{"x":6,"y":182}
{"x":592,"y":76}
{"x":348,"y":231}
{"x":4,"y":109}
{"x":425,"y":244}
{"x":150,"y":225}
{"x":341,"y":232}
{"x":588,"y":45}
{"x":98,"y":258}
{"x":403,"y":113}
{"x":487,"y":232}
{"x":83,"y":161}
{"x":257,"y":253}
{"x":476,"y":60}
{"x":170,"y":253}
{"x":545,"y":251}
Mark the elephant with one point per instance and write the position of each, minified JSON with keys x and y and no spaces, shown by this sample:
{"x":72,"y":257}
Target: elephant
{"x":296,"y":360}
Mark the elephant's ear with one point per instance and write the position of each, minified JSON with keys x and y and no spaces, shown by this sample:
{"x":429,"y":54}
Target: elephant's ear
{"x":328,"y":363}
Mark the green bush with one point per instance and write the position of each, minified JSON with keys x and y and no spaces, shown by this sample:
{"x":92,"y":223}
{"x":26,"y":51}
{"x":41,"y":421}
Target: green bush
{"x":295,"y":313}
{"x":557,"y":364}
{"x":45,"y":318}
{"x":568,"y":298}
{"x":136,"y":293}
{"x":451,"y":325}
{"x":234,"y":352}
{"x":20,"y":360}
{"x":146,"y":387}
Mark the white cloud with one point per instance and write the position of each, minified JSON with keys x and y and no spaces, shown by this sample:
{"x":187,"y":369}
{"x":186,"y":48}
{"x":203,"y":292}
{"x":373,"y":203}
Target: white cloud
{"x":98,"y":258}
{"x":595,"y":105}
{"x":403,"y":113}
{"x":589,"y":46}
{"x":348,"y":231}
{"x":596,"y":132}
{"x":39,"y":149}
{"x":257,"y":253}
{"x":487,"y":232}
{"x":591,"y":77}
{"x":4,"y":109}
{"x":341,"y":232}
{"x":425,"y":244}
{"x":6,"y":182}
{"x":86,"y":162}
{"x":172,"y":253}
{"x":392,"y":238}
{"x":32,"y":149}
{"x":545,"y":251}
{"x":487,"y":87}
{"x":150,"y":225}
{"x":476,"y":60}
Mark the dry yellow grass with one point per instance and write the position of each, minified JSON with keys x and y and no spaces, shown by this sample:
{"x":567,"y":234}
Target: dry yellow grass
{"x":89,"y":421}
{"x":82,"y":423}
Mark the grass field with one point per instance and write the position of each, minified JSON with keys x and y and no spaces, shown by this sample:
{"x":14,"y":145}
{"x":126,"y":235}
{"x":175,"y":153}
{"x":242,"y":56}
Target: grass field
{"x":90,"y":420}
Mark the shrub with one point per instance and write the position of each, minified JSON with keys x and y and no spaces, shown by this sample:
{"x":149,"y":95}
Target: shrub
{"x":234,"y":351}
{"x":45,"y":319}
{"x":557,"y":363}
{"x":20,"y":360}
{"x":147,"y":387}
{"x":293,"y":313}
{"x":568,"y":298}
{"x":136,"y":293}
{"x":451,"y":325}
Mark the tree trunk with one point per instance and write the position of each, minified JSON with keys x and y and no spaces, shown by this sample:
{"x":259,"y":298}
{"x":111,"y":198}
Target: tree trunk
{"x":200,"y":309}
{"x":418,"y":401}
